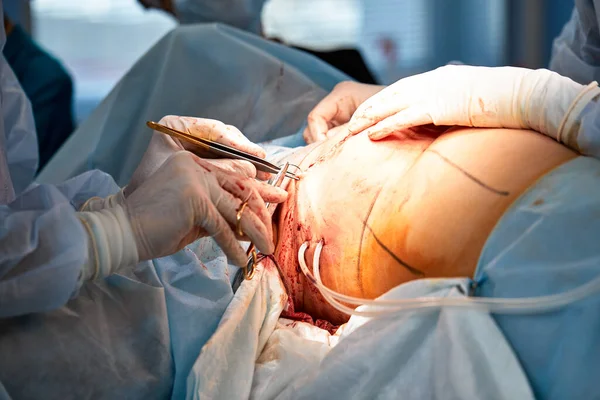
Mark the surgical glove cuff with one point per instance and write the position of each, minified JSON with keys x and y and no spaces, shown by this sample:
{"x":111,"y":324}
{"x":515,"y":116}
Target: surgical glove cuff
{"x":99,"y":203}
{"x":546,"y":98}
{"x":111,"y":242}
{"x":568,"y":130}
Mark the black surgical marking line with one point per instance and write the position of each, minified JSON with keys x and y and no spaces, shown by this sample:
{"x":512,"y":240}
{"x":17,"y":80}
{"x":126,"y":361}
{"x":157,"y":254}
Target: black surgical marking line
{"x":362,"y":236}
{"x":394,"y":256}
{"x":468,"y":175}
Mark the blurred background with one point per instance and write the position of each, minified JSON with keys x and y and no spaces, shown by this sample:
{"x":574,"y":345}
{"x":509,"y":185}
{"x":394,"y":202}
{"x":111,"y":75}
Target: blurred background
{"x":97,"y":41}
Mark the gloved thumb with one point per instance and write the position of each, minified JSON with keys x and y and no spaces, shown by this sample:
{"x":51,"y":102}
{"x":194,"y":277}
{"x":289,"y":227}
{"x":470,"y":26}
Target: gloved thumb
{"x":215,"y":130}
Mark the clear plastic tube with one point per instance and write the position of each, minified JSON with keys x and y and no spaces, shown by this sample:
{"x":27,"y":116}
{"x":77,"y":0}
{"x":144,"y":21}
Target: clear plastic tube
{"x":525,"y":305}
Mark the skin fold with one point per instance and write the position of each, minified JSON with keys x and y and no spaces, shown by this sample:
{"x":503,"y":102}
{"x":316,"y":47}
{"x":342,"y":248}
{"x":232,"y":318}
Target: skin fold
{"x":418,"y":205}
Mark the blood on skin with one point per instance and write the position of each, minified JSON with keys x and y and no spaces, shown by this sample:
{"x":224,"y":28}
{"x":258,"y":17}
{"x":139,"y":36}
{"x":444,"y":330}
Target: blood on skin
{"x":286,"y":254}
{"x":405,"y":205}
{"x":329,"y":153}
{"x":291,"y":219}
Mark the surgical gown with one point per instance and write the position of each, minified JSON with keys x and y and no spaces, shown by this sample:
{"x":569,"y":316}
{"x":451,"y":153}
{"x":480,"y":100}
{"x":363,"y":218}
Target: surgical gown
{"x":576,"y":54}
{"x":42,"y":243}
{"x":210,"y":71}
{"x":173,"y":326}
{"x":576,"y":51}
{"x":49,"y":88}
{"x":135,"y":335}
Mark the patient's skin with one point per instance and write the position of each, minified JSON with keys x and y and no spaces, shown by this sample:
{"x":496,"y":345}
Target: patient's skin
{"x":402,"y":209}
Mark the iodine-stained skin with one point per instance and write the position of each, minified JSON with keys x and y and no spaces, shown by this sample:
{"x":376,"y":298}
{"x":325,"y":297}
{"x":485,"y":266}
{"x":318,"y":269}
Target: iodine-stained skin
{"x":417,"y":206}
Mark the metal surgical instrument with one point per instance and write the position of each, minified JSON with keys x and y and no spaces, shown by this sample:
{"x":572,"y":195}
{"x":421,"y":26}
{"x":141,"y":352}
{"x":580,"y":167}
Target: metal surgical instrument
{"x":248,"y":270}
{"x":221,"y":150}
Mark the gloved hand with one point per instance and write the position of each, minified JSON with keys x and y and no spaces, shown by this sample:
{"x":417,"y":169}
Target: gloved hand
{"x":185,"y":199}
{"x":163,"y":146}
{"x":337,"y":108}
{"x":506,"y":97}
{"x":99,"y":203}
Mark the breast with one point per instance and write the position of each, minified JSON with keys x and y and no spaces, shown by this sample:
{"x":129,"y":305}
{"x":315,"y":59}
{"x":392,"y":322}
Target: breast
{"x":397,"y":210}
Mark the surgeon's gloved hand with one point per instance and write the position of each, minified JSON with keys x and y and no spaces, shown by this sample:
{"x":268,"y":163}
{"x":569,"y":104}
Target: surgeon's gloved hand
{"x":185,"y":199}
{"x":163,"y":146}
{"x":100,"y":203}
{"x":506,"y":97}
{"x":337,"y":108}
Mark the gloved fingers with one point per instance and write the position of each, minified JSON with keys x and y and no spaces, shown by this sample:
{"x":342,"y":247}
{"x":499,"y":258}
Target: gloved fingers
{"x":256,"y":194}
{"x":389,"y":101}
{"x":408,"y":118}
{"x":245,"y":190}
{"x":239,"y":167}
{"x":217,"y":226}
{"x":370,"y":114}
{"x":263,"y":176}
{"x":214,"y":130}
{"x":233,"y":137}
{"x":337,"y":130}
{"x":251,"y":225}
{"x":270,"y":194}
{"x":183,"y":124}
{"x":228,"y":204}
{"x":160,"y":148}
{"x":310,"y":136}
{"x":319,"y":119}
{"x":334,"y":110}
{"x":164,"y":143}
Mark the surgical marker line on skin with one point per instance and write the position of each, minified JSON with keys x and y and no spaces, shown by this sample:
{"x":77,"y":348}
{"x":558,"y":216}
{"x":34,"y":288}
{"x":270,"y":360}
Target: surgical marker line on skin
{"x":362,"y":236}
{"x":468,"y":175}
{"x":394,"y":256}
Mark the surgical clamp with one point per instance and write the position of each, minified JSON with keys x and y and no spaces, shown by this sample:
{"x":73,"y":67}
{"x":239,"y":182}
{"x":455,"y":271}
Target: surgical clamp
{"x":249,"y":269}
{"x":221,"y":150}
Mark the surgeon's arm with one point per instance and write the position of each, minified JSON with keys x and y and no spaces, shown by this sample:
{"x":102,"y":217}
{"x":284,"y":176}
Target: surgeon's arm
{"x":502,"y":97}
{"x":43,"y":245}
{"x":42,"y":249}
{"x":47,"y":249}
{"x":588,"y":132}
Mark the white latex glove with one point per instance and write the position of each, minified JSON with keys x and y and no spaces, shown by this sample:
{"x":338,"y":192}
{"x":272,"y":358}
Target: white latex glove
{"x":506,"y":97}
{"x":337,"y":108}
{"x":99,"y":203}
{"x":163,"y":146}
{"x":185,"y":199}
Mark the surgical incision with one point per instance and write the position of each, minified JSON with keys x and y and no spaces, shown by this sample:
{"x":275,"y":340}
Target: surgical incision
{"x":401,"y":209}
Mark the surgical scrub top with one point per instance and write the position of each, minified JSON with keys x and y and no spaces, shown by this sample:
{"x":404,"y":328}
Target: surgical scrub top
{"x":48,"y":87}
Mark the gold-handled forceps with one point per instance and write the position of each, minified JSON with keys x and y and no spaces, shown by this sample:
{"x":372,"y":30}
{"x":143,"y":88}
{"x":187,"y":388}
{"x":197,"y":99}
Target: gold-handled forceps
{"x":220,"y":150}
